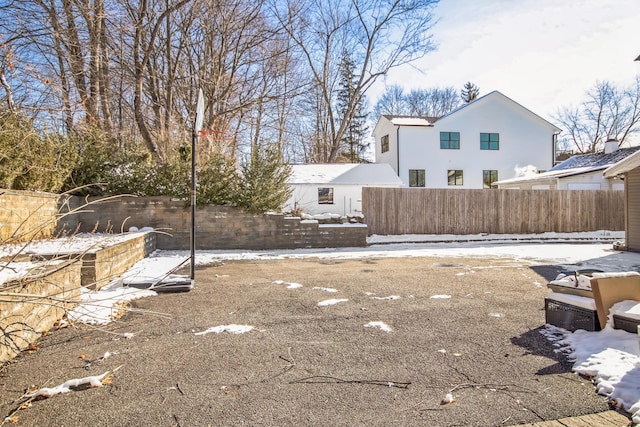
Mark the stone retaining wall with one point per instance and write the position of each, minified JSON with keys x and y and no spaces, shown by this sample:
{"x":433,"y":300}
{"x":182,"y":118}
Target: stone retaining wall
{"x":32,"y":306}
{"x":217,"y":227}
{"x":102,"y":266}
{"x":27,"y":214}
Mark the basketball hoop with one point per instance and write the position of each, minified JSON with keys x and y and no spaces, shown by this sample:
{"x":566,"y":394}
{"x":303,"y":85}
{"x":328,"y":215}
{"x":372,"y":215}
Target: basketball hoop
{"x":216,"y":134}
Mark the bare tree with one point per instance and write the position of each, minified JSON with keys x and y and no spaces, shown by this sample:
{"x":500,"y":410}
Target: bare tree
{"x":608,"y":112}
{"x":379,"y":34}
{"x":392,"y":101}
{"x":433,"y":102}
{"x":6,"y":64}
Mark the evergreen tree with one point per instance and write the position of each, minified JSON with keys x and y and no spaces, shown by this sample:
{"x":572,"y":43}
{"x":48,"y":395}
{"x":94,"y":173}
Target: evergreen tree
{"x":469,"y":92}
{"x":264,"y":180}
{"x":354,"y":144}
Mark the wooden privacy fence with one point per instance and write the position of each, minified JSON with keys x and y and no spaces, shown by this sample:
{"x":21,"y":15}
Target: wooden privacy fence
{"x":389,"y":211}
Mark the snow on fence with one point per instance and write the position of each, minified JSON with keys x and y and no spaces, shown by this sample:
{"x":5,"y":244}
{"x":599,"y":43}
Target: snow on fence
{"x":390,"y":211}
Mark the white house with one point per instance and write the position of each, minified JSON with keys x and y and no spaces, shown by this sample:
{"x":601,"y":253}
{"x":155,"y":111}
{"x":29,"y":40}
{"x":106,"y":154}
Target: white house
{"x":581,"y":172}
{"x":471,"y":147}
{"x":336,"y":188}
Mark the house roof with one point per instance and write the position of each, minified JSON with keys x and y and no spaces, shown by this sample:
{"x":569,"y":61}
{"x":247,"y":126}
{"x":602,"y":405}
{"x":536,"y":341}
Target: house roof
{"x":499,"y":94}
{"x":603,"y":160}
{"x":429,"y":121}
{"x":624,"y":165}
{"x":410,"y":121}
{"x":578,"y":165}
{"x":344,"y":173}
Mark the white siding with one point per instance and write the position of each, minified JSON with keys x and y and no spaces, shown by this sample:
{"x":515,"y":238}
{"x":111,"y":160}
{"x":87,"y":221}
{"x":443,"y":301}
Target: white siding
{"x":583,"y":186}
{"x":586,"y":181}
{"x":525,"y":139}
{"x":347,"y":199}
{"x":385,"y":127}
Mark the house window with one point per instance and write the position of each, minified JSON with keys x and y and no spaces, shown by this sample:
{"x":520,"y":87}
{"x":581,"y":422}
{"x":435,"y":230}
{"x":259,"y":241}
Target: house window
{"x":325,"y":196}
{"x":489,"y":141}
{"x":450,"y":140}
{"x":384,"y":143}
{"x":416,"y":177}
{"x":488,"y":178}
{"x":454,"y":177}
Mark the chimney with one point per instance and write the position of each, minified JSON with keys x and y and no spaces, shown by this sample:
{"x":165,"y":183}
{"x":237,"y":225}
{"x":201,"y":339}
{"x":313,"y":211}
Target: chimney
{"x":610,"y":146}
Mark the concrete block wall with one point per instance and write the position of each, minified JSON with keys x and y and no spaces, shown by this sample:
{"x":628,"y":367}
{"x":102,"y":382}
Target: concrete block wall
{"x":101,"y":266}
{"x":26,"y":215}
{"x":217,"y":227}
{"x":35,"y":304}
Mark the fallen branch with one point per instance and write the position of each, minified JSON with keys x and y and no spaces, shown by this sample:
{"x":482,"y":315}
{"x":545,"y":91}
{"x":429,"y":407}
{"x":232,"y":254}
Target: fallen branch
{"x":493,"y":387}
{"x":75,"y":384}
{"x":318,"y":379}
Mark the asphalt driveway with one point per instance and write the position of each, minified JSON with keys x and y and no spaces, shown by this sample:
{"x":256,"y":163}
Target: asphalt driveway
{"x":464,"y":326}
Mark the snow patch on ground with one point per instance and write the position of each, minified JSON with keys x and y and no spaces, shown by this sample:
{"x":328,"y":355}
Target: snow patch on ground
{"x":440,"y":296}
{"x":232,"y":329}
{"x":101,"y":307}
{"x":610,"y":357}
{"x":380,"y":325}
{"x":289,"y":284}
{"x":390,"y":297}
{"x":330,"y":290}
{"x":331,"y":302}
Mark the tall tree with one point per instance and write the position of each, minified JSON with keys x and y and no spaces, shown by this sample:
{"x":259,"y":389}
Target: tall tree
{"x":469,"y":92}
{"x":380,"y":35}
{"x":607,"y":112}
{"x":354,"y":139}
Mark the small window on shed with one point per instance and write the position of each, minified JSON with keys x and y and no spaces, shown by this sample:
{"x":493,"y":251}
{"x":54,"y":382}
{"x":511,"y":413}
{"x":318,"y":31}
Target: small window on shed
{"x":384,"y":143}
{"x":325,"y":196}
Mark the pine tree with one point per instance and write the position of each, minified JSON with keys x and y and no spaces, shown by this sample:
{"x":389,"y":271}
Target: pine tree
{"x":469,"y":92}
{"x":354,"y":140}
{"x":264,"y":180}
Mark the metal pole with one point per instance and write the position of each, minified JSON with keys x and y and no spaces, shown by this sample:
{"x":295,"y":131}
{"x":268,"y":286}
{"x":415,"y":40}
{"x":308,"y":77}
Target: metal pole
{"x":197,"y":126}
{"x":194,"y":138}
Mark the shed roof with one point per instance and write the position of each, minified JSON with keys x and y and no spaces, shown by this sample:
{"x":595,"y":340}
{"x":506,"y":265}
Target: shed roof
{"x":623,"y":166}
{"x":550,"y":174}
{"x":595,"y":159}
{"x":344,"y":173}
{"x":577,"y":165}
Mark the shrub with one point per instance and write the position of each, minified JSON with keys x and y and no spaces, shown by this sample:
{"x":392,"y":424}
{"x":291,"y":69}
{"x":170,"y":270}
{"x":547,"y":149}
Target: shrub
{"x":33,"y":160}
{"x":264,"y":179}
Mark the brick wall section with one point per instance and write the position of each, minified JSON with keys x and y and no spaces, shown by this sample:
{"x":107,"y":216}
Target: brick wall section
{"x":26,"y":214}
{"x":40,"y":302}
{"x":217,"y":227}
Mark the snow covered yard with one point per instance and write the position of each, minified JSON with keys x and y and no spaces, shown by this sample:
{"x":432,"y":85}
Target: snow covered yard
{"x":374,"y":336}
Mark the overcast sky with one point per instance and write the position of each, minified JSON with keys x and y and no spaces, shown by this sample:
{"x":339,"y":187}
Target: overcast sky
{"x":543,"y":54}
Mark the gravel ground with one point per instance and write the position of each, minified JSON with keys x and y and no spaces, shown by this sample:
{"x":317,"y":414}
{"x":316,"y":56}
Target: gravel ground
{"x":304,"y":364}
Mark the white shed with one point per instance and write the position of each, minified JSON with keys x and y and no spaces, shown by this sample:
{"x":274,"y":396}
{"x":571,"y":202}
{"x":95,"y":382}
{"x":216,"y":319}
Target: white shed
{"x":336,"y":188}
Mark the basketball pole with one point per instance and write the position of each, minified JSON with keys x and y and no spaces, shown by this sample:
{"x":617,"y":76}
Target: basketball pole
{"x":197,"y":127}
